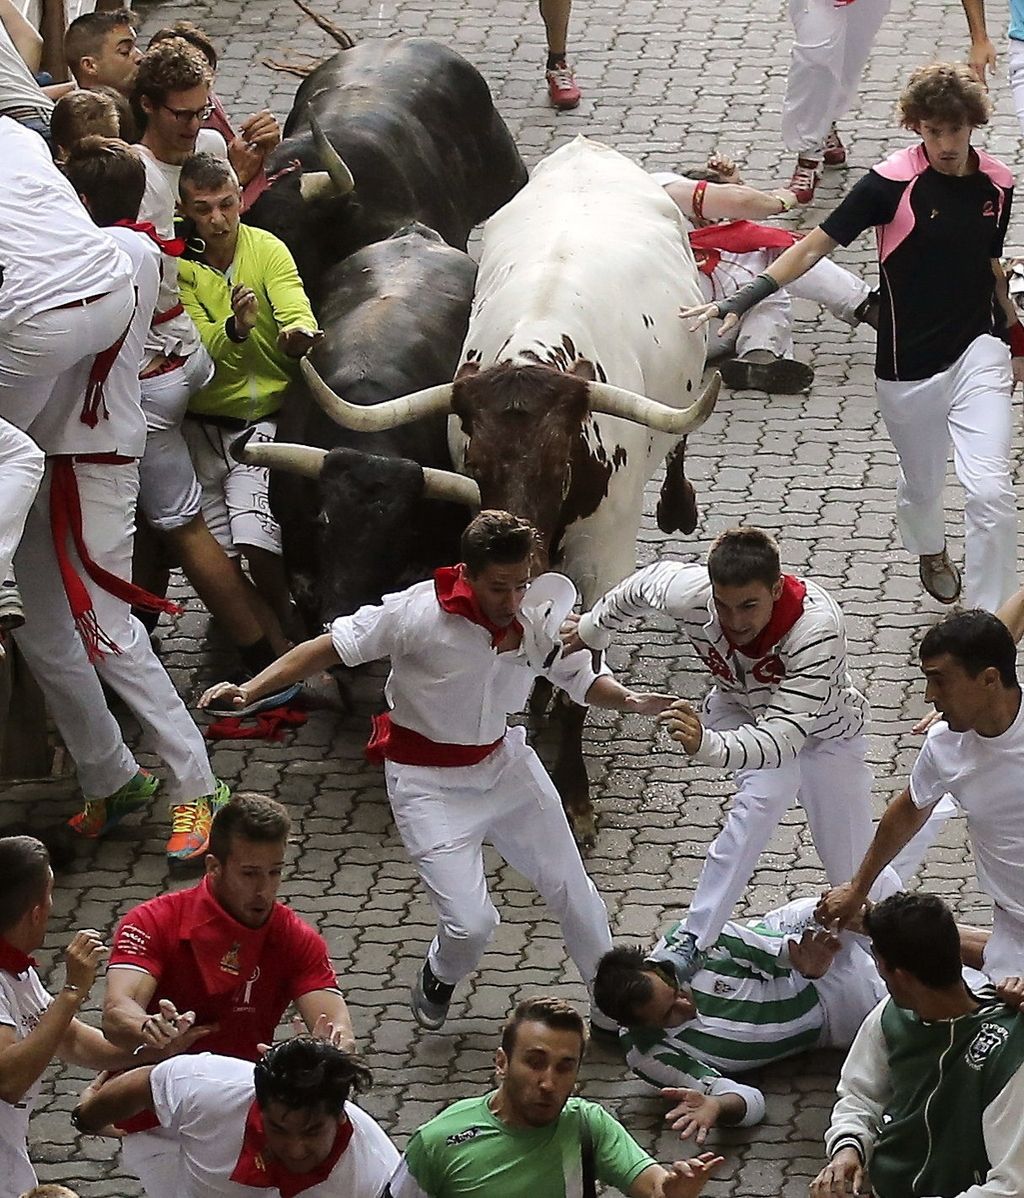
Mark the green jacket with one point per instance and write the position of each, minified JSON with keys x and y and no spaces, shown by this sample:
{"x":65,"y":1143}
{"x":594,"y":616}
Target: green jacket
{"x":252,"y":376}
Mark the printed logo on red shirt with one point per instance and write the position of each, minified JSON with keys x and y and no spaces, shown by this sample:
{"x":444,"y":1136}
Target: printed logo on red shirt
{"x":769,"y":670}
{"x":229,"y":962}
{"x":132,"y":941}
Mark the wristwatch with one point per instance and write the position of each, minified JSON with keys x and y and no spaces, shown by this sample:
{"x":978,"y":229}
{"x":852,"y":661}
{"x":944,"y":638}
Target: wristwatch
{"x":76,"y":1119}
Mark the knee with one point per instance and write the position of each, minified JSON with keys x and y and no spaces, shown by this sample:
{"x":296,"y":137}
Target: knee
{"x":472,"y":927}
{"x":990,"y":498}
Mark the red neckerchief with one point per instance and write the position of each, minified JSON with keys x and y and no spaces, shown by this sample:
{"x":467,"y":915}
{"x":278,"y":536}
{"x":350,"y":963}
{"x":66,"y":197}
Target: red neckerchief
{"x":789,"y":607}
{"x":255,"y":1168}
{"x":173,"y":247}
{"x":226,"y":951}
{"x":65,"y":522}
{"x":265,"y":725}
{"x":736,"y":237}
{"x":455,"y":595}
{"x":13,"y":960}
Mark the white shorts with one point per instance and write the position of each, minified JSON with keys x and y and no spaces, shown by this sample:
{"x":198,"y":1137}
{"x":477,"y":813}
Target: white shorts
{"x":169,"y":493}
{"x":235,"y":497}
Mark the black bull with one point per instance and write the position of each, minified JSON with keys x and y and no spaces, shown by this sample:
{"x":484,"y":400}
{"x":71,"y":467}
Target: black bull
{"x":396,"y":314}
{"x":415,"y":125}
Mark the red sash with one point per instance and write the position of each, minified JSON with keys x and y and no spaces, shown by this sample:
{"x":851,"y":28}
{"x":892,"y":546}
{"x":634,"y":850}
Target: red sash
{"x":391,"y":742}
{"x":736,"y":237}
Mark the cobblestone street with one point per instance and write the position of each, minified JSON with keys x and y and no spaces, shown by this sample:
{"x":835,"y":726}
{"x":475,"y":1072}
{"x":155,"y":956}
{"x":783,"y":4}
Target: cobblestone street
{"x":666,"y":82}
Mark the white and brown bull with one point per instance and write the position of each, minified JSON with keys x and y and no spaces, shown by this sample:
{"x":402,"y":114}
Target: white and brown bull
{"x":577,"y":376}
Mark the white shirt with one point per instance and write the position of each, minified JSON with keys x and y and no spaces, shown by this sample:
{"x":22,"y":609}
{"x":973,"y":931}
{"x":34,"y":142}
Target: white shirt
{"x":50,"y":250}
{"x":203,"y":1101}
{"x":22,"y":1001}
{"x":17,"y":84}
{"x":447,"y":682}
{"x":178,"y":336}
{"x":32,"y":10}
{"x":985,"y":776}
{"x":801,"y":687}
{"x":59,"y":428}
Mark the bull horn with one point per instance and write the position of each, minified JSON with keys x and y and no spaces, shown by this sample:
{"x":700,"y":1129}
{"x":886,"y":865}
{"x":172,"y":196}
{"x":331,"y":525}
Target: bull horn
{"x":377,"y":417}
{"x":456,"y":488}
{"x":296,"y":459}
{"x":614,"y":401}
{"x":331,"y":160}
{"x":316,"y":185}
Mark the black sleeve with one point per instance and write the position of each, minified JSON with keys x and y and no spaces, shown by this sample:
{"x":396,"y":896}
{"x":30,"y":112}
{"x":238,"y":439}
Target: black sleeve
{"x":1003,"y":224}
{"x":872,"y":201}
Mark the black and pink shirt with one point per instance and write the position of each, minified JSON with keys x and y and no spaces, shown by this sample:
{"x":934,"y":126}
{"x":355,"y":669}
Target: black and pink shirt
{"x":936,"y":237}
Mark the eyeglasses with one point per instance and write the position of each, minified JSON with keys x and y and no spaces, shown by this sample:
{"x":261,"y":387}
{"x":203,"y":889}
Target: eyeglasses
{"x":185,"y":116}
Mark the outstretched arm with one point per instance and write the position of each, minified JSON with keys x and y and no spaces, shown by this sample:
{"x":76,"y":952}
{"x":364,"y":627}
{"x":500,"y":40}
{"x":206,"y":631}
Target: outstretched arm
{"x":982,"y":55}
{"x":727,"y":201}
{"x":304,"y":660}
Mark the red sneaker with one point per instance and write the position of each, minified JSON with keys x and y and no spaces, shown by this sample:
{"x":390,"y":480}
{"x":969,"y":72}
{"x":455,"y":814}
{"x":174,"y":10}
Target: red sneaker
{"x":805,"y":180}
{"x":562,"y":90}
{"x":834,"y":152}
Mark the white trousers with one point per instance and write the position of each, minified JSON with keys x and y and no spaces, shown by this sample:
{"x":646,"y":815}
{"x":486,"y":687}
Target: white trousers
{"x":34,"y":353}
{"x":444,"y":816}
{"x":109,"y":495}
{"x":832,"y":782}
{"x":21,"y":471}
{"x":1015,"y":73}
{"x":769,"y":324}
{"x":969,"y":405}
{"x":57,"y":659}
{"x":157,"y":1159}
{"x":831,"y":45}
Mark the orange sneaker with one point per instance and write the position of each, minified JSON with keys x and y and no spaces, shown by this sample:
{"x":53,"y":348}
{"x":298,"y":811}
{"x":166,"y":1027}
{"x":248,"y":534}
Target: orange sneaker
{"x":99,"y":816}
{"x":191,"y":822}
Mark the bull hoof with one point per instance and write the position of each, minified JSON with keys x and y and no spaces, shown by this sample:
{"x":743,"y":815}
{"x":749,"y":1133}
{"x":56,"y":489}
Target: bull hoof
{"x":584,"y":828}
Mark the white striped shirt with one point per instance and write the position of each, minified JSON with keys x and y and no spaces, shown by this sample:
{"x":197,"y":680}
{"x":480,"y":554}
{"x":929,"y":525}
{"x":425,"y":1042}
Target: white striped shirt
{"x":800,"y":688}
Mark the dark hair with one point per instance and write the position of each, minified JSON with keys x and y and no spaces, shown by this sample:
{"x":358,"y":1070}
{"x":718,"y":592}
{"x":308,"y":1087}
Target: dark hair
{"x":917,"y":933}
{"x":552,"y":1012}
{"x":191,"y":33}
{"x":170,"y":66}
{"x":948,"y":92}
{"x":978,"y":640}
{"x":127,"y":129}
{"x":623,"y":984}
{"x":24,"y":872}
{"x":86,"y":34}
{"x":80,"y":113}
{"x":740,"y":556}
{"x":205,"y":172}
{"x":251,"y":817}
{"x":306,"y":1073}
{"x":110,"y":175}
{"x":499,"y":538}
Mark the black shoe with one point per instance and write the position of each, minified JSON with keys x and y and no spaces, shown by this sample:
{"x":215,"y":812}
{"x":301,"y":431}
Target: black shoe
{"x":430,"y":999}
{"x":761,"y":370}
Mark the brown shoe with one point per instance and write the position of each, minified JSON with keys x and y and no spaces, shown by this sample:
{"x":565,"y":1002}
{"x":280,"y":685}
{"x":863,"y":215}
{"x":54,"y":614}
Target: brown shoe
{"x":939,"y":577}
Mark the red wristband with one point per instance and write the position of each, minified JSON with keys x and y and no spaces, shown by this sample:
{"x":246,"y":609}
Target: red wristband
{"x":1017,"y":341}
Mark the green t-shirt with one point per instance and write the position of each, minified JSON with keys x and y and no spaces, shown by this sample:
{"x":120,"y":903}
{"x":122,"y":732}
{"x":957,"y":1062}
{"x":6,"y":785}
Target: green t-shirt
{"x":466,"y":1152}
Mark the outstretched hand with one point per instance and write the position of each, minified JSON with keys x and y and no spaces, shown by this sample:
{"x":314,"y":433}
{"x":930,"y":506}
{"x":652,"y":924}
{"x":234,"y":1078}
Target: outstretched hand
{"x":694,"y":1114}
{"x":705,"y":313}
{"x":686,"y":1179}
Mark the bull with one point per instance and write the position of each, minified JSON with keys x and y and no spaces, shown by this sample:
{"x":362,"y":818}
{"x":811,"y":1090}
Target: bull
{"x":355,"y":523}
{"x":576,"y":377}
{"x":389,"y":132}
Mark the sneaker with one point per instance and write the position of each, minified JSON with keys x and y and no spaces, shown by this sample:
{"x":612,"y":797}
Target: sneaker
{"x":761,"y":370}
{"x":279,"y":698}
{"x":684,"y":958}
{"x":191,"y":823}
{"x":98,"y":816}
{"x":562,"y":90}
{"x":833,"y":151}
{"x":430,"y":999}
{"x":805,"y":180}
{"x":939,"y":577}
{"x":12,"y":613}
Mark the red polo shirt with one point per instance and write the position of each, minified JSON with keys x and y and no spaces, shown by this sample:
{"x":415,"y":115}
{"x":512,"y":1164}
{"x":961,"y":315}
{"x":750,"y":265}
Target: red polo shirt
{"x":240,"y":978}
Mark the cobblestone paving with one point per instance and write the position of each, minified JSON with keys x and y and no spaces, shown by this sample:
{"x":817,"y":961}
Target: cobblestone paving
{"x":667,"y":82}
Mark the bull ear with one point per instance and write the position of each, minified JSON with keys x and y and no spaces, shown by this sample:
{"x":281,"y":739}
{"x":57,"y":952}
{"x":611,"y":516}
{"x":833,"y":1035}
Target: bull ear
{"x":460,"y":404}
{"x":584,"y":369}
{"x":466,"y":369}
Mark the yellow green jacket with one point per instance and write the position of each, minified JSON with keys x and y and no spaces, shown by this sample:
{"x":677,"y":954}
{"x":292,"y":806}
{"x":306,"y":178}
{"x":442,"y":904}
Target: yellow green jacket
{"x":253,"y":375}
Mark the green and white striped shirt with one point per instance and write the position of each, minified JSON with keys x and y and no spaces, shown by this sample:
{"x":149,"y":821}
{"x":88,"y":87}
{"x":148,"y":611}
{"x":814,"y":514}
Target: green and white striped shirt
{"x":753,"y":1008}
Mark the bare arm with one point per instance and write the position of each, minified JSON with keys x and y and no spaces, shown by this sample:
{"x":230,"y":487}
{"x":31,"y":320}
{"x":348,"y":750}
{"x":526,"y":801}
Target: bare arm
{"x":982,"y":54}
{"x":128,"y":1025}
{"x":684,"y":1179}
{"x":1012,"y":615}
{"x":117,"y":1099}
{"x":606,"y":692}
{"x":972,"y":944}
{"x":26,"y":40}
{"x":795,"y":262}
{"x":730,"y":201}
{"x":87,"y":1046}
{"x":901,"y":820}
{"x":308,"y":658}
{"x":327,"y":1007}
